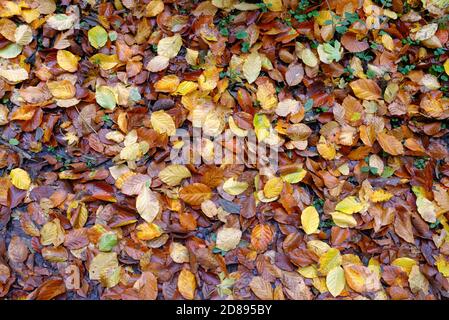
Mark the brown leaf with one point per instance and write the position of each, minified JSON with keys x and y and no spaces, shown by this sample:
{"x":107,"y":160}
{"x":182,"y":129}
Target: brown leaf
{"x":194,"y":194}
{"x":390,"y":144}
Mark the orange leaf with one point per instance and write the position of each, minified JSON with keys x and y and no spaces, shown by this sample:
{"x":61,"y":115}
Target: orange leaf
{"x":390,"y":144}
{"x":194,"y":194}
{"x":261,"y":237}
{"x":366,"y":89}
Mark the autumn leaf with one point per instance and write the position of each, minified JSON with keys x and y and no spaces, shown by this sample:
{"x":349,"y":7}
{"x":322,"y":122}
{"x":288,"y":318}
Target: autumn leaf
{"x":252,"y":67}
{"x":195,"y":193}
{"x":169,"y":46}
{"x":173,"y":174}
{"x":228,"y":238}
{"x":20,"y":179}
{"x":187,"y":284}
{"x":366,"y":89}
{"x":390,"y":144}
{"x":261,"y":288}
{"x":147,"y":205}
{"x":310,"y":220}
{"x":97,"y":37}
{"x":335,"y":281}
{"x":261,"y":237}
{"x":234,"y":187}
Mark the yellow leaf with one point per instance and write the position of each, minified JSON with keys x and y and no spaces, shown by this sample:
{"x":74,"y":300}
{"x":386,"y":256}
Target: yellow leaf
{"x":147,"y":205}
{"x":380,"y":196}
{"x":236,"y":129}
{"x":308,"y":272}
{"x":309,"y":58}
{"x":187,"y":284}
{"x":252,"y":66}
{"x":310,"y":220}
{"x":335,"y":281}
{"x":63,"y":89}
{"x":405,"y":263}
{"x":323,"y":17}
{"x":67,"y":60}
{"x":387,"y":42}
{"x":228,"y":238}
{"x":273,"y":187}
{"x":329,"y":260}
{"x":186,"y":87}
{"x":325,"y":149}
{"x":52,"y":233}
{"x":442,"y":265}
{"x":446,"y":66}
{"x":105,"y":61}
{"x":294,"y":177}
{"x":174,"y":174}
{"x":343,"y":220}
{"x":148,"y":231}
{"x":103,"y":267}
{"x":169,"y":46}
{"x":349,"y":205}
{"x":234,"y":187}
{"x":97,"y":36}
{"x":20,"y":179}
{"x":273,"y":5}
{"x":162,"y":122}
{"x":167,"y":84}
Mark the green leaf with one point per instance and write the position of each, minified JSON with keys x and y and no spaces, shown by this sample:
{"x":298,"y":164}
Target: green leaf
{"x":105,"y":97}
{"x":13,"y":142}
{"x":107,"y":241}
{"x":97,"y":37}
{"x":12,"y":50}
{"x":241,"y":34}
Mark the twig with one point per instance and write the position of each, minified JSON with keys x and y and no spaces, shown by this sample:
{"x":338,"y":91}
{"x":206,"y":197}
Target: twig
{"x":84,"y":120}
{"x":18,"y":150}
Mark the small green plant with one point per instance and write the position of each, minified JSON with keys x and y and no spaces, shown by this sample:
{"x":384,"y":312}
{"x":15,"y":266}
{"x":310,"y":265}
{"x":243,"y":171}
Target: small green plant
{"x":420,"y":163}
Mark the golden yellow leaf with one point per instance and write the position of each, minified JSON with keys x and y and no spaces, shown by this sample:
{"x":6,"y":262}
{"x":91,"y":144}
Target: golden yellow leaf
{"x":325,"y":149}
{"x":273,"y":5}
{"x":20,"y":179}
{"x":174,"y":174}
{"x":343,"y":220}
{"x":349,"y":205}
{"x":105,"y":61}
{"x":103,"y":267}
{"x":442,"y":265}
{"x":310,"y":220}
{"x":63,"y":89}
{"x":67,"y":60}
{"x":273,"y":187}
{"x":405,"y":263}
{"x":380,"y":196}
{"x":148,"y":231}
{"x":187,"y":284}
{"x":186,"y":87}
{"x":335,"y":281}
{"x":167,"y":84}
